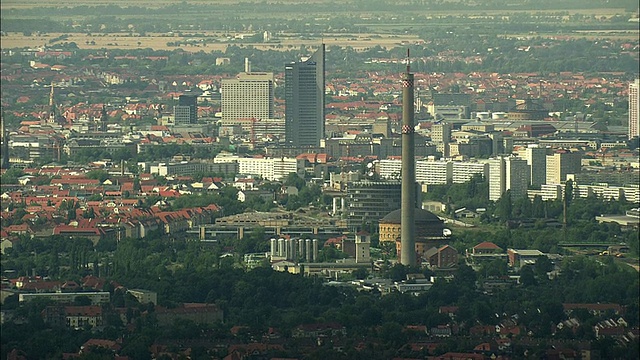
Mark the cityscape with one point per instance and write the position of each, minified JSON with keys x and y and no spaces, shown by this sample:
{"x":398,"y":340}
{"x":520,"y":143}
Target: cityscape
{"x":320,"y":180}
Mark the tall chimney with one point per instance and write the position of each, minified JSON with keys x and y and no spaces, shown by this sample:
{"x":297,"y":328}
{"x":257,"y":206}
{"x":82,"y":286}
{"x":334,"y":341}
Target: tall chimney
{"x":408,"y":209}
{"x":247,"y":65}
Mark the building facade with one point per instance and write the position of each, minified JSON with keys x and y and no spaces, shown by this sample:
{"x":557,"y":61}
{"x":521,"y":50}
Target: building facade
{"x":537,"y":161}
{"x":634,"y":109}
{"x":436,"y":172}
{"x":370,"y":201}
{"x":510,"y":173}
{"x":186,"y":112}
{"x":248,"y":96}
{"x":304,"y":100}
{"x":560,"y":164}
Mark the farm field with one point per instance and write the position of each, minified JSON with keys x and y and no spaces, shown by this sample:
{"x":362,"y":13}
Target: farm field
{"x":159,"y":41}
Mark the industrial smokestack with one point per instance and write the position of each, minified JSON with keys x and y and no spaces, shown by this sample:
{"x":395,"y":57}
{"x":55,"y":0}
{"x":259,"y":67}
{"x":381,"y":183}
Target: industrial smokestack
{"x":408,"y":201}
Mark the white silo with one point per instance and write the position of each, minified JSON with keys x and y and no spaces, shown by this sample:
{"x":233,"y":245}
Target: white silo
{"x":274,"y":247}
{"x":292,"y":249}
{"x":307,"y":250}
{"x":315,"y":250}
{"x":281,"y":247}
{"x":301,"y":253}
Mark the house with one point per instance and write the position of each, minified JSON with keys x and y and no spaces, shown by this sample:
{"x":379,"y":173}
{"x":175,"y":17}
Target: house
{"x":5,"y":244}
{"x":459,"y":356}
{"x":99,"y":343}
{"x":594,"y":309}
{"x":449,"y":310}
{"x":252,"y":351}
{"x":440,"y":331}
{"x":485,"y":252}
{"x":319,"y":329}
{"x":442,"y":257}
{"x":75,"y":317}
{"x":80,"y":316}
{"x":200,"y":313}
{"x":486,"y":247}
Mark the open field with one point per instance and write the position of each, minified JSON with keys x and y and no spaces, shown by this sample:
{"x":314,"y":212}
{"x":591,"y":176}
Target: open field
{"x":27,"y":4}
{"x":159,"y":41}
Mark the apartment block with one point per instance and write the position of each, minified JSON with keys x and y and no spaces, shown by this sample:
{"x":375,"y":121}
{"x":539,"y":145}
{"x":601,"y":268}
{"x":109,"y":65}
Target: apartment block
{"x":560,"y":164}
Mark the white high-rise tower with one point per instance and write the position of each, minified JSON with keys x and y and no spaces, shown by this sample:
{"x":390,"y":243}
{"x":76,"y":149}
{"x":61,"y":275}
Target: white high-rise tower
{"x":249,"y":95}
{"x":634,"y":109}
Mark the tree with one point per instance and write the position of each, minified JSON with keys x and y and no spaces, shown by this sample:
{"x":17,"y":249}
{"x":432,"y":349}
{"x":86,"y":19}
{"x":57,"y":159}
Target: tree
{"x":294,"y":180}
{"x":527,"y":278}
{"x":504,"y":206}
{"x":100,"y":175}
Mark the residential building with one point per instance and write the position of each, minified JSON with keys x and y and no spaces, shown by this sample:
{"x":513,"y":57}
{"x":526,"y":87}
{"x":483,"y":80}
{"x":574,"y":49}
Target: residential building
{"x":435,"y":172}
{"x":463,"y":171}
{"x":188,"y":168}
{"x":537,"y":161}
{"x":560,"y":164}
{"x":248,"y":96}
{"x":634,"y":109}
{"x":75,"y":317}
{"x":509,"y":173}
{"x":304,"y":100}
{"x":144,"y":296}
{"x":486,"y":251}
{"x":199,"y":313}
{"x":602,"y":191}
{"x":101,"y":297}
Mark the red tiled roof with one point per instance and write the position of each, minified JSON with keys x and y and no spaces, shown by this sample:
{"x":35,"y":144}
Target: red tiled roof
{"x":486,"y":245}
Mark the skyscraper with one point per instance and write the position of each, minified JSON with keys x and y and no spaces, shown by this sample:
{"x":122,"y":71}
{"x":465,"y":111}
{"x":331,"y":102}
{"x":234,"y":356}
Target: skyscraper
{"x":634,"y":109}
{"x":249,"y":95}
{"x":304,"y":100}
{"x":186,"y":112}
{"x":508,"y":173}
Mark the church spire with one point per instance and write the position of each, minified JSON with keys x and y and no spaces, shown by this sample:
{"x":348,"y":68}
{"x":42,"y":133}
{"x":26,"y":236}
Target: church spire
{"x":104,"y":117}
{"x":51,"y":103}
{"x":52,"y":106}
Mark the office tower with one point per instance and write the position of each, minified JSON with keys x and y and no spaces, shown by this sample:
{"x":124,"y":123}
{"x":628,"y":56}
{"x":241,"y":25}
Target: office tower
{"x":248,"y":96}
{"x":634,"y":109}
{"x":560,"y":164}
{"x":510,"y":173}
{"x":537,"y":160}
{"x":304,"y":100}
{"x":408,"y":209}
{"x":186,"y":112}
{"x":370,"y":201}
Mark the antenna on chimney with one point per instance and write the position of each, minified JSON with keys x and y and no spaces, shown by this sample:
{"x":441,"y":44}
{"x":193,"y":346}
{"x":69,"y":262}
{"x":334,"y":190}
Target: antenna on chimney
{"x":408,"y":62}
